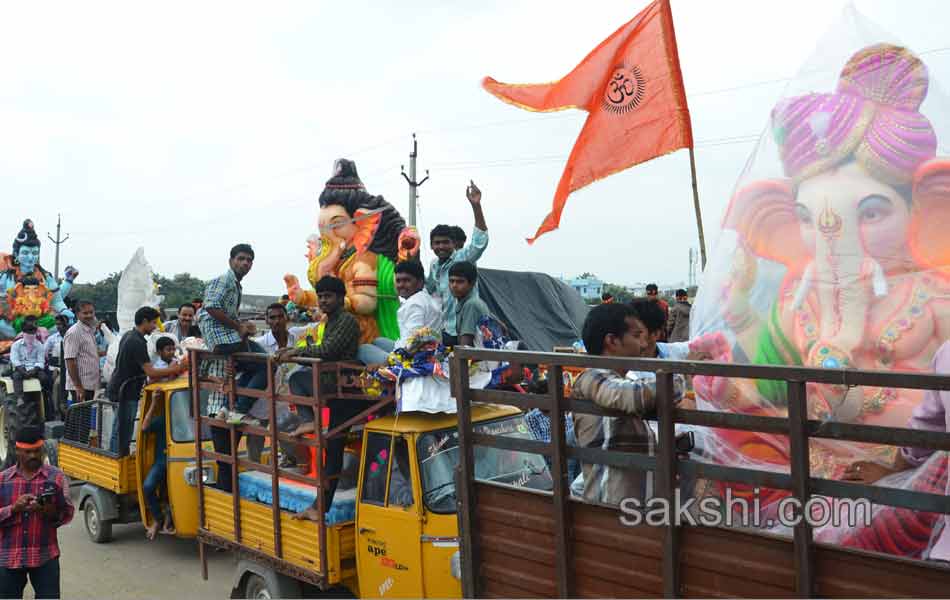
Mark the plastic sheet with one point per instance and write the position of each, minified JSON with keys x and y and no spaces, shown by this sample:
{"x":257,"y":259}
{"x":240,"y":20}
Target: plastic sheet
{"x":834,"y":253}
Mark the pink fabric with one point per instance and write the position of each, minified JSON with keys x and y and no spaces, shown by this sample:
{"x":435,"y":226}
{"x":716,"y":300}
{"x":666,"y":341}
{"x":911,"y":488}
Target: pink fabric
{"x":873,"y":117}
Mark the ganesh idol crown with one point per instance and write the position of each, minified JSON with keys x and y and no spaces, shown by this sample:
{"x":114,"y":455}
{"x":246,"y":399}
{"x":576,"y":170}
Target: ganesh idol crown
{"x":842,"y":260}
{"x":27,"y":289}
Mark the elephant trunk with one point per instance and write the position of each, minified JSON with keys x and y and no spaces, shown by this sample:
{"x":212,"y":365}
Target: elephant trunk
{"x":844,"y":277}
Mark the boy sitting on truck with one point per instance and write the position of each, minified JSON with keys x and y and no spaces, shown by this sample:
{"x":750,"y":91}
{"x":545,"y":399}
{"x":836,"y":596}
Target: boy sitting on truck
{"x":165,"y":348}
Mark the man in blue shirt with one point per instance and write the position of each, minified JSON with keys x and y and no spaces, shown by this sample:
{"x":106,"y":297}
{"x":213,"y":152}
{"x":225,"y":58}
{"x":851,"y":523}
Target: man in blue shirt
{"x":28,"y":358}
{"x":442,"y":240}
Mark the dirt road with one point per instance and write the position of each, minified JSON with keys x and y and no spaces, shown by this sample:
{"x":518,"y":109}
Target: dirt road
{"x":131,"y":567}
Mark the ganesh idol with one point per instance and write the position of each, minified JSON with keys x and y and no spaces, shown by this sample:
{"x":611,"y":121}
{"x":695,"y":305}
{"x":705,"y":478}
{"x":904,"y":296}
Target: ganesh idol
{"x":361,"y":238}
{"x":27,"y":288}
{"x":843,"y":263}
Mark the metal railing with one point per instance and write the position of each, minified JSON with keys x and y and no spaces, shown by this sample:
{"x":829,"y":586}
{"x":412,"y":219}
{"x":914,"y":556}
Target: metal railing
{"x":322,"y":394}
{"x":667,"y":466}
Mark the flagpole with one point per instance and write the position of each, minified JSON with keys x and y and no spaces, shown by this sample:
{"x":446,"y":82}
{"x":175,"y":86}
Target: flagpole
{"x":699,"y":216}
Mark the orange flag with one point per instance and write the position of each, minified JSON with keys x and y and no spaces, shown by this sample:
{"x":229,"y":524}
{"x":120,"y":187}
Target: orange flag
{"x":632,"y":88}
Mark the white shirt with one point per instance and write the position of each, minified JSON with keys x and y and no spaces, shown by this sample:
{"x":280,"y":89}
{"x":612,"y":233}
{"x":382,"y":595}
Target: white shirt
{"x":669,"y":351}
{"x":269,"y":343}
{"x":416,"y":311}
{"x":260,"y":409}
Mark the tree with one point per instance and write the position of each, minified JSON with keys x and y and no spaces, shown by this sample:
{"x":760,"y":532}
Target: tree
{"x":180,"y":289}
{"x":587,"y":275}
{"x":620,"y":293}
{"x":103,"y":293}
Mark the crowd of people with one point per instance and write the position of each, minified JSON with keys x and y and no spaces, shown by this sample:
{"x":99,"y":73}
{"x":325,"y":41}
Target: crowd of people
{"x":442,"y":302}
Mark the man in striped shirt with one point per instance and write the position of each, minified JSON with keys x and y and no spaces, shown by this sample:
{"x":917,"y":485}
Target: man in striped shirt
{"x":82,"y":354}
{"x":615,"y":330}
{"x":34,"y":503}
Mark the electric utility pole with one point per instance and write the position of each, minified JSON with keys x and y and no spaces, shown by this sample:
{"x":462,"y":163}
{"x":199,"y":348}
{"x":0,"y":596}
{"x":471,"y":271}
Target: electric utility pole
{"x":692,"y":267}
{"x":59,"y":241}
{"x":411,"y":180}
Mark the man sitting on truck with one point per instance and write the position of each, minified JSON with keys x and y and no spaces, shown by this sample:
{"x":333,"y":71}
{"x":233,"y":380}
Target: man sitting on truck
{"x":615,"y":330}
{"x":28,"y":358}
{"x":469,"y":308}
{"x":338,"y":338}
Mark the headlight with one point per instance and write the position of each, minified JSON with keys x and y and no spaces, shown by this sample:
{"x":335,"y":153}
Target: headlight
{"x":455,"y":565}
{"x":207,"y":476}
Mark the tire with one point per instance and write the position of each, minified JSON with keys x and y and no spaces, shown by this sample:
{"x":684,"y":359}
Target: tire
{"x":255,"y":587}
{"x":99,"y":531}
{"x":7,"y":432}
{"x":52,"y":453}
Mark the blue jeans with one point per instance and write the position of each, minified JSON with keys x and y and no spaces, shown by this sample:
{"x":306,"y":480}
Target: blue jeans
{"x":376,"y":353}
{"x":123,"y":425}
{"x":151,"y":486}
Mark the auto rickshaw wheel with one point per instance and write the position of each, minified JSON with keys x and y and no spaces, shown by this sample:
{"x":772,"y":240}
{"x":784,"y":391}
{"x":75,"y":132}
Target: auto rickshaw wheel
{"x":255,"y":587}
{"x":52,"y":453}
{"x":7,"y":430}
{"x":99,"y":531}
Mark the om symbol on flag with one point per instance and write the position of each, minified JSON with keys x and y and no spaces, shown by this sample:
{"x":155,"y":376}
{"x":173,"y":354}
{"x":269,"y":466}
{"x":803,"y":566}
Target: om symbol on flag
{"x":624,"y":90}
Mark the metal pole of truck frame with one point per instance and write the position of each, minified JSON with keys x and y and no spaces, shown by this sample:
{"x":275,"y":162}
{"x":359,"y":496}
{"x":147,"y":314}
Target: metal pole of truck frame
{"x":411,"y":180}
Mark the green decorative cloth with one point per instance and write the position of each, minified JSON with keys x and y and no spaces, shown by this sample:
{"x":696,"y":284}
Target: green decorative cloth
{"x":48,"y":321}
{"x":774,"y":348}
{"x":387,"y":301}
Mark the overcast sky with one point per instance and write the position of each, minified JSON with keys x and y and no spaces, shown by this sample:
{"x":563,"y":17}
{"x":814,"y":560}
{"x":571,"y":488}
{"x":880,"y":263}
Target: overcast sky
{"x":187,"y":127}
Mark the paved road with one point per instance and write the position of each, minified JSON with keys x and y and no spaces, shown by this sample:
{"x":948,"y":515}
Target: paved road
{"x":132,"y":567}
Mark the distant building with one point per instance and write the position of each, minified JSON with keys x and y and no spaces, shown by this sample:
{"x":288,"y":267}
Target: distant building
{"x":589,"y":289}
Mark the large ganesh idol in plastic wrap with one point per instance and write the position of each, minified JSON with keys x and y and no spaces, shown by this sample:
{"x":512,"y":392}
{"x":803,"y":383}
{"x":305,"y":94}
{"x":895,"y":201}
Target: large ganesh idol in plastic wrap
{"x":838,"y":260}
{"x":361,"y":238}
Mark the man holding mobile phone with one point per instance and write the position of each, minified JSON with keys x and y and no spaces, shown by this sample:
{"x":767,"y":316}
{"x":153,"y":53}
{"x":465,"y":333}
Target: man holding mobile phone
{"x":34,"y":503}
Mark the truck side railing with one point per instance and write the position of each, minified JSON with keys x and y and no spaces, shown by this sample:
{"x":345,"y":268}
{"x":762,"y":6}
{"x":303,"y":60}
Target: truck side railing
{"x":666,"y":465}
{"x":322,"y":393}
{"x":83,"y":419}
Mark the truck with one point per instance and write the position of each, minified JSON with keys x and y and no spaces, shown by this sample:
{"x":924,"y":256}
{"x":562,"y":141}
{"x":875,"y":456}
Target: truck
{"x":491,"y":512}
{"x":397,"y":534}
{"x":518,"y":542}
{"x":112,"y":488}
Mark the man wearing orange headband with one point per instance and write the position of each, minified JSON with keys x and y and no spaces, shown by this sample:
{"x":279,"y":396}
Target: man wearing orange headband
{"x":34,"y":503}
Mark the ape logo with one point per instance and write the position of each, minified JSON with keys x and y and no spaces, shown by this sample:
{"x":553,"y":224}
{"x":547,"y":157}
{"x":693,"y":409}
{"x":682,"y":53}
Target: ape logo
{"x":376,"y":550}
{"x":625,"y":89}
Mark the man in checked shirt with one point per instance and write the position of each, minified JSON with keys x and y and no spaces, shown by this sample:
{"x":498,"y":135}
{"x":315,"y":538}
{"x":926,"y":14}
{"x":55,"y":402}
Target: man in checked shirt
{"x":337,"y":339}
{"x":616,"y":330}
{"x":34,"y":503}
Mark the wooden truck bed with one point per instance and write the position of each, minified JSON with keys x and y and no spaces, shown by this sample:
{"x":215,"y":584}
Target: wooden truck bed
{"x":98,"y":467}
{"x":515,"y":541}
{"x":300,"y":539}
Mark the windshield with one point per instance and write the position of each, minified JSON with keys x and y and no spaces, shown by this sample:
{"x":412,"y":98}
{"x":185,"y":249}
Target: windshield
{"x":439,"y":455}
{"x":183,"y":418}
